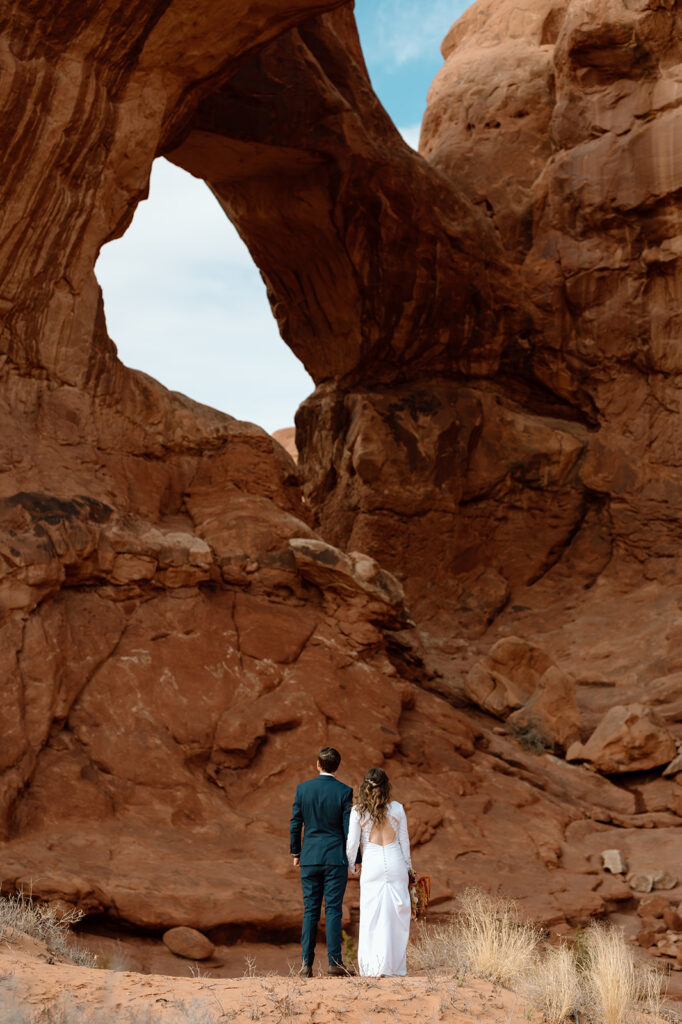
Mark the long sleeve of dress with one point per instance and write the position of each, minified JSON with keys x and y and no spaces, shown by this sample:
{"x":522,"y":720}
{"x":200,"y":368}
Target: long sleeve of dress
{"x":403,"y":837}
{"x":353,"y":840}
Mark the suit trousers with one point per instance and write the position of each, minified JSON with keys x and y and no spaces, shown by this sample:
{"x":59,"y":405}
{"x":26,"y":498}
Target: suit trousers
{"x":320,"y":881}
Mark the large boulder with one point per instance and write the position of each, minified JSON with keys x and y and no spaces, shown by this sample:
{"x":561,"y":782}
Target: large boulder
{"x":519,"y":681}
{"x":629,"y":738}
{"x":552,"y":711}
{"x":188,"y":942}
{"x":507,"y":677}
{"x":493,"y":692}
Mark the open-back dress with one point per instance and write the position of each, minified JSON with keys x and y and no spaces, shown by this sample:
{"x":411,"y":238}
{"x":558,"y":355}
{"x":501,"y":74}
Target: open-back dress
{"x":385,"y":908}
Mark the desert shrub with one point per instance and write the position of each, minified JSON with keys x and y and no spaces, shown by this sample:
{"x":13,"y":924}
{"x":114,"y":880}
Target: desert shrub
{"x":610,"y":978}
{"x":494,"y":943}
{"x":553,"y":985}
{"x":579,"y":950}
{"x":42,"y":922}
{"x":652,"y":987}
{"x":435,"y":948}
{"x":616,"y":987}
{"x":597,"y":974}
{"x":531,"y":737}
{"x":487,"y":939}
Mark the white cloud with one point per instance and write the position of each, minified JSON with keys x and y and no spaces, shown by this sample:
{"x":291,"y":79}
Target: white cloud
{"x":408,"y":30}
{"x":185,"y":303}
{"x":411,"y":135}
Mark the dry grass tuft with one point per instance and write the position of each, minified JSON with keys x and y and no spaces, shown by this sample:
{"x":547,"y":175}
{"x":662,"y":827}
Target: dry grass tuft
{"x":652,"y":989}
{"x":494,"y":943}
{"x":116,"y":959}
{"x":435,"y":948}
{"x":19,"y":912}
{"x":610,"y":977}
{"x":554,"y":986}
{"x":598,"y":975}
{"x":616,"y":987}
{"x":487,"y":939}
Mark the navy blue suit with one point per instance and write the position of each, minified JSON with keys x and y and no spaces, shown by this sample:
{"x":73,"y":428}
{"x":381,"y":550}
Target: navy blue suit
{"x":321,"y":812}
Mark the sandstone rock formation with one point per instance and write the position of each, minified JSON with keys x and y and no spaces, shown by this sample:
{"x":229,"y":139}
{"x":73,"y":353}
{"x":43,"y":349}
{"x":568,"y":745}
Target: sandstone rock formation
{"x":188,"y":942}
{"x":157,"y":636}
{"x":552,"y":710}
{"x":519,"y":677}
{"x":287,"y":438}
{"x":653,"y":907}
{"x":661,"y":928}
{"x":577,"y":102}
{"x":487,"y":487}
{"x":628,"y":738}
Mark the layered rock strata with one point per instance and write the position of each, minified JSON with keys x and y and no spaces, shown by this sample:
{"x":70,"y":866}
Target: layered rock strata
{"x":185,"y":616}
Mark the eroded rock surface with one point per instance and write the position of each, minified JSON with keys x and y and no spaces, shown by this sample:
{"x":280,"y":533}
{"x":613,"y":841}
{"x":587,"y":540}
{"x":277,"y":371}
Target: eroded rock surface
{"x":490,"y":453}
{"x":629,"y":738}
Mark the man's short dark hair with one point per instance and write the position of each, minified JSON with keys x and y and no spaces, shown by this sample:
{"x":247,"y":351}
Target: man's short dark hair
{"x":329,"y":759}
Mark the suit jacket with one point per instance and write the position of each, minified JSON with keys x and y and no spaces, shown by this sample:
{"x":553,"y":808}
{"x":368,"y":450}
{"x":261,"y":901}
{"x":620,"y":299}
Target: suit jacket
{"x":322,"y":811}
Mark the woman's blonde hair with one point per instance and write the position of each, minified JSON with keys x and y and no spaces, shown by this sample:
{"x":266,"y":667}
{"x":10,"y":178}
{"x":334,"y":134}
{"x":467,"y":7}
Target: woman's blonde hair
{"x":374,"y":796}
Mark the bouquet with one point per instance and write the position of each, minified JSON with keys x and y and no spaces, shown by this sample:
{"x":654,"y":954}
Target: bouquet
{"x":420,"y":894}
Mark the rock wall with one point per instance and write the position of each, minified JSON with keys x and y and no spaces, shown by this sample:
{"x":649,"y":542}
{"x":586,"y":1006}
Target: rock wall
{"x":158,"y":632}
{"x":553,"y":462}
{"x":186,"y":616}
{"x":592,"y":221}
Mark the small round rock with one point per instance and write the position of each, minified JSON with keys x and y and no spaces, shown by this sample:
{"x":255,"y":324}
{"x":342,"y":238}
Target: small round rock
{"x":188,"y":942}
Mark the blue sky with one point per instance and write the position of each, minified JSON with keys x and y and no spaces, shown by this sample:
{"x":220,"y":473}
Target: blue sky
{"x":401,"y":42}
{"x":183,"y":299}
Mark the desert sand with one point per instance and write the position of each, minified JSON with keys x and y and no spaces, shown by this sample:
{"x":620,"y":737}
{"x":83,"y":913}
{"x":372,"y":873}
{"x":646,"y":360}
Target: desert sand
{"x":35,"y":985}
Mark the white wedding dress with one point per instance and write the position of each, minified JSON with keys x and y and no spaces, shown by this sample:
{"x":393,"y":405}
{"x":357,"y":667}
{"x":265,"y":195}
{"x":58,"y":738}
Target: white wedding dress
{"x":385,"y":909}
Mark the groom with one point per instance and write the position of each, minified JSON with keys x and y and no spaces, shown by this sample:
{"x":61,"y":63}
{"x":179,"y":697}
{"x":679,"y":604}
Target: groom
{"x":322,"y":810}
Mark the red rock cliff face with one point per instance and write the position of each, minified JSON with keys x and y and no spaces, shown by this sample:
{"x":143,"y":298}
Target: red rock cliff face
{"x":185,"y":619}
{"x":158,"y":630}
{"x":556,"y":456}
{"x":465,"y":475}
{"x":577,"y":103}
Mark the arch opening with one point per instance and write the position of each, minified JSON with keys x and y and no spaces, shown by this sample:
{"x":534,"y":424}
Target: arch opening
{"x":186,"y":304}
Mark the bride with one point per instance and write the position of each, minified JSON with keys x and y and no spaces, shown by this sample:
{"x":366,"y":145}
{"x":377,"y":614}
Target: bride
{"x":378,"y":824}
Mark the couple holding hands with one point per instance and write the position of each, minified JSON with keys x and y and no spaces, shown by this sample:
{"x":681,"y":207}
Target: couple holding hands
{"x":337,"y":834}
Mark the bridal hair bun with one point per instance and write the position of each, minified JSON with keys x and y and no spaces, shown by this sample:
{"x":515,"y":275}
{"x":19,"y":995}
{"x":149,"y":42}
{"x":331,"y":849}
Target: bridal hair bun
{"x":375,"y":777}
{"x":374,"y":795}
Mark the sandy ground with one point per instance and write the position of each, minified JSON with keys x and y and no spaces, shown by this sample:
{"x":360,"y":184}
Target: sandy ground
{"x":150,"y":956}
{"x":35,"y":988}
{"x":32,"y":988}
